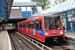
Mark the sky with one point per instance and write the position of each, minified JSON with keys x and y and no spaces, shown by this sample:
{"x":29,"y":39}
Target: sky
{"x":28,"y":8}
{"x":23,"y":9}
{"x":22,"y":0}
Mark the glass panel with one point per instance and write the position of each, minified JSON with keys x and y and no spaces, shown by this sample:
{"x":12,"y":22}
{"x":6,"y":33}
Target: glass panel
{"x":46,"y":23}
{"x":63,"y":17}
{"x":69,"y":12}
{"x":70,"y":17}
{"x":73,"y":11}
{"x":52,"y":23}
{"x":30,"y":24}
{"x":71,"y":27}
{"x":26,"y":24}
{"x":22,"y":25}
{"x":19,"y":24}
{"x":40,"y":25}
{"x":62,"y":13}
{"x":37,"y":24}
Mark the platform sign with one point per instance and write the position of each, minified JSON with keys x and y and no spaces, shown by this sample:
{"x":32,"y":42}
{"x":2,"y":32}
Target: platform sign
{"x":69,"y":15}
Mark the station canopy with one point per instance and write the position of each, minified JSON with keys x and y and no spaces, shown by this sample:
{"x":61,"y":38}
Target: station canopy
{"x":66,"y":5}
{"x":24,"y":4}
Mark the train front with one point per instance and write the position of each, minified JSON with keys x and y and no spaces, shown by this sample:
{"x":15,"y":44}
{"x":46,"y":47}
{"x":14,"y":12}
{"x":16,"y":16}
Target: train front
{"x":53,"y":28}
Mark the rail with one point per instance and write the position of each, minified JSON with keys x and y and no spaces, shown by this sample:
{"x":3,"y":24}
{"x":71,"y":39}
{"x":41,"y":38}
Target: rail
{"x":70,"y":39}
{"x":38,"y":44}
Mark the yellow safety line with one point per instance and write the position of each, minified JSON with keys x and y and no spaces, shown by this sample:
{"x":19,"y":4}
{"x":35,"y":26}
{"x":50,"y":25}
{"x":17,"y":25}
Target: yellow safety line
{"x":4,"y":43}
{"x":1,"y":35}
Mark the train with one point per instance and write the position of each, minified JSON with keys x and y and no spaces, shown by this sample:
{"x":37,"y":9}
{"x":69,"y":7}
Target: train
{"x":43,"y":28}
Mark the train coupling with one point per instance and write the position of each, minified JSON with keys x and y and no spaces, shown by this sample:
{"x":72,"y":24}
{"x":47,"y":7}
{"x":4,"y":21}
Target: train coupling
{"x":55,"y":39}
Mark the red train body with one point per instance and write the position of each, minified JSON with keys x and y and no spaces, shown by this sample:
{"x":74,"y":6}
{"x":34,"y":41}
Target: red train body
{"x":43,"y":28}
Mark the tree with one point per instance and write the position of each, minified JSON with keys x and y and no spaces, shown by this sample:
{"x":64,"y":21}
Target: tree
{"x":47,"y":7}
{"x":58,"y":1}
{"x":42,"y":3}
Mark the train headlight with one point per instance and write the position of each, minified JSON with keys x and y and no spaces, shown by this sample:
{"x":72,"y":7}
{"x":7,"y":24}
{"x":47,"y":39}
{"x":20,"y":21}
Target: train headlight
{"x":61,"y":32}
{"x":46,"y":33}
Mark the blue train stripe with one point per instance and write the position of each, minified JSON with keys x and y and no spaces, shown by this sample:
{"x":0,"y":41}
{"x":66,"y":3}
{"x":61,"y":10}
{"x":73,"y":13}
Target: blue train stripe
{"x":41,"y":32}
{"x":24,"y":25}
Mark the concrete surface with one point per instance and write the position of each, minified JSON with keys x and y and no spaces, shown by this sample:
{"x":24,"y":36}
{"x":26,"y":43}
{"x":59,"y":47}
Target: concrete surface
{"x":4,"y":41}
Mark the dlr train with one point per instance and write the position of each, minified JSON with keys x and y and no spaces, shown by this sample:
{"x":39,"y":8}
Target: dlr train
{"x":43,"y":28}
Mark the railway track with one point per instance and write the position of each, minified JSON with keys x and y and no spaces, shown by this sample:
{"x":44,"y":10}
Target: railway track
{"x":61,"y":46}
{"x":47,"y":46}
{"x":20,"y":44}
{"x":68,"y":45}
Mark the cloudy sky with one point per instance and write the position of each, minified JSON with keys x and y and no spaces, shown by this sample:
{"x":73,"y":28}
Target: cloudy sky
{"x":23,"y":9}
{"x":28,"y":8}
{"x":22,"y":0}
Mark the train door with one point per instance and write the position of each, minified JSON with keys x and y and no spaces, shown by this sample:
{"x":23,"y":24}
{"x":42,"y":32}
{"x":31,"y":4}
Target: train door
{"x":19,"y":26}
{"x":23,"y":26}
{"x":30,"y":24}
{"x":34,"y":28}
{"x":26,"y":27}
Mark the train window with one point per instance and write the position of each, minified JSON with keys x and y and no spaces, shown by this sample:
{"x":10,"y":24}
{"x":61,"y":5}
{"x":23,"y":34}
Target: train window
{"x":19,"y":24}
{"x":58,"y":23}
{"x":32,"y":24}
{"x":37,"y":24}
{"x":52,"y":23}
{"x":46,"y":23}
{"x":40,"y":24}
{"x":22,"y":25}
{"x":29,"y":24}
{"x":26,"y":24}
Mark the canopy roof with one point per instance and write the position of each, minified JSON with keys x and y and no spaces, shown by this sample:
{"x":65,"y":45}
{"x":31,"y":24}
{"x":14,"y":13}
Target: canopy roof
{"x":68,"y":4}
{"x":23,"y":4}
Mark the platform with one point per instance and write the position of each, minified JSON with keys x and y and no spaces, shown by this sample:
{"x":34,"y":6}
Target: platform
{"x":70,"y":34}
{"x":4,"y":41}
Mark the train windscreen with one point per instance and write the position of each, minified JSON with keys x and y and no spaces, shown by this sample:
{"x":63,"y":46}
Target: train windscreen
{"x":52,"y":23}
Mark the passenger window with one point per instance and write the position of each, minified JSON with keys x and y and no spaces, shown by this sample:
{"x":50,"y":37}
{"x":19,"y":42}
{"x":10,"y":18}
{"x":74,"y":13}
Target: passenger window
{"x":32,"y":24}
{"x":26,"y":24}
{"x":40,"y":24}
{"x":22,"y":25}
{"x":37,"y":24}
{"x":19,"y":24}
{"x":29,"y":25}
